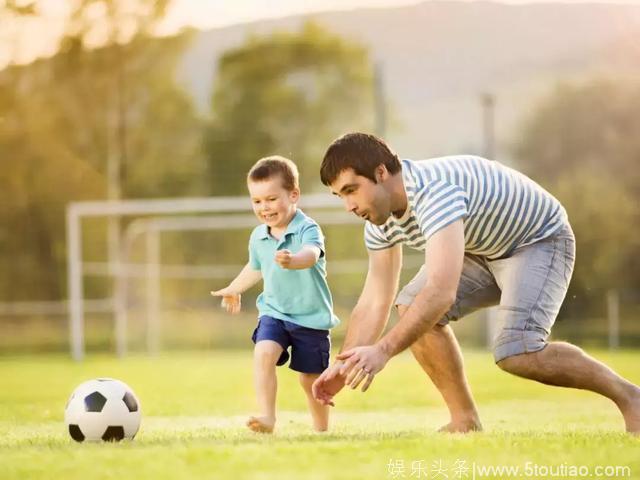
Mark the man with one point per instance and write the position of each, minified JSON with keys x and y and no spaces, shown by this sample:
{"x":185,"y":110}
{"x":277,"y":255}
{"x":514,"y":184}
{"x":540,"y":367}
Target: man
{"x":490,"y":235}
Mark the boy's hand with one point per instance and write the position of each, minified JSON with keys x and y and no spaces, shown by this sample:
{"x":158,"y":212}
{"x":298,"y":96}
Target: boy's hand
{"x":284,"y":258}
{"x":230,"y":300}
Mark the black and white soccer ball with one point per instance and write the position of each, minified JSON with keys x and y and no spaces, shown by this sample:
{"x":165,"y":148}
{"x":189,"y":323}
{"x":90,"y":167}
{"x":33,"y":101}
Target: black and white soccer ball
{"x":102,"y":409}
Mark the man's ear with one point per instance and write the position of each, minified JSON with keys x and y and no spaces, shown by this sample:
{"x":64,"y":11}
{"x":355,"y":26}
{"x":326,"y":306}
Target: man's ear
{"x":381,"y":173}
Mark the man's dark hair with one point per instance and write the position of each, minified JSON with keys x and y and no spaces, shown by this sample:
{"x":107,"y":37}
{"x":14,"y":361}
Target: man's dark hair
{"x":360,"y":151}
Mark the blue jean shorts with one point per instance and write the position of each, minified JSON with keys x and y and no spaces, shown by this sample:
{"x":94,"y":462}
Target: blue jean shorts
{"x":529,"y":286}
{"x":310,"y":348}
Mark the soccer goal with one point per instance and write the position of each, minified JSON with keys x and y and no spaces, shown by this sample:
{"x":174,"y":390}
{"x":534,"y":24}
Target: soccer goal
{"x":149,"y":220}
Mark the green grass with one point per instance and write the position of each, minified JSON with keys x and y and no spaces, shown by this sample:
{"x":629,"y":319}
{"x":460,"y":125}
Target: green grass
{"x":194,"y":406}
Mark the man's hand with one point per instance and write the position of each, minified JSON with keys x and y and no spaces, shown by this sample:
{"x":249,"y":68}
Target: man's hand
{"x":362,"y":363}
{"x":328,"y":384}
{"x":231,"y":300}
{"x":283,"y":258}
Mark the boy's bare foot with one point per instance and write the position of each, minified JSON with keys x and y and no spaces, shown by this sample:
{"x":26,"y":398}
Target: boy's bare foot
{"x":261,"y":424}
{"x":462,"y":426}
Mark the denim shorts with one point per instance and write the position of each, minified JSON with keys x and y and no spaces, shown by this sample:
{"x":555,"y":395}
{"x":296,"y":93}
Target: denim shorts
{"x":529,"y":286}
{"x":310,"y":348}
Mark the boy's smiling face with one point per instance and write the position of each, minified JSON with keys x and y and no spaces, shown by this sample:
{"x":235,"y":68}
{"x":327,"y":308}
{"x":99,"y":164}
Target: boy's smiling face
{"x":272,"y":203}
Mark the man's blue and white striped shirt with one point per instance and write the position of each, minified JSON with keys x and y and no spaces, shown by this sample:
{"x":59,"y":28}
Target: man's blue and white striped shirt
{"x":502,"y":208}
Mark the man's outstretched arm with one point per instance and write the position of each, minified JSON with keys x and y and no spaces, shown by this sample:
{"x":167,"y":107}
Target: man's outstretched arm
{"x":444,"y":255}
{"x":369,"y":316}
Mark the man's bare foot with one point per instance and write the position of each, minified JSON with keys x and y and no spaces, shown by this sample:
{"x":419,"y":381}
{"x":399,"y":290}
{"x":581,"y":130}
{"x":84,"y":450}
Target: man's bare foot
{"x":631,"y":412}
{"x":261,"y":424}
{"x":462,"y":426}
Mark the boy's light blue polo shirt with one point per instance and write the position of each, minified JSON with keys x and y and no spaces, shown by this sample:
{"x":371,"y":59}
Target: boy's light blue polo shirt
{"x":298,"y":296}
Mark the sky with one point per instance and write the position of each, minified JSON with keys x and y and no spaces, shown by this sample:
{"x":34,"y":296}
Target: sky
{"x":209,"y":14}
{"x":39,"y":38}
{"x":212,"y":13}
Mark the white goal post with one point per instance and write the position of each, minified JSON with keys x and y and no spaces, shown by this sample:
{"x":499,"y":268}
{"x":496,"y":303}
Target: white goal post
{"x":166,"y":217}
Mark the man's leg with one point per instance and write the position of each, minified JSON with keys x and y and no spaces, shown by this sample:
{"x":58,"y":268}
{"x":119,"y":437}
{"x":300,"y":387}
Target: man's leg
{"x":438,"y":353}
{"x":534,"y":282}
{"x":564,"y":365}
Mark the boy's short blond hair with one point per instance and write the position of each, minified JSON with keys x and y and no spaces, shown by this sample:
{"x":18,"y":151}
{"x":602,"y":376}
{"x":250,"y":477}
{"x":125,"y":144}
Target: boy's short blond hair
{"x":269,"y":167}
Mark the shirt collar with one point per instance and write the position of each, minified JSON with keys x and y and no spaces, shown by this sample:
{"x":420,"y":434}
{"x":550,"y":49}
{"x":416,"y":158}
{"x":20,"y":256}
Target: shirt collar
{"x":296,"y":221}
{"x":408,"y":183}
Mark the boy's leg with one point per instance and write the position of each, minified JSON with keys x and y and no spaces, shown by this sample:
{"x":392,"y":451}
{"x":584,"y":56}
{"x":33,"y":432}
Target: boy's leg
{"x":310,"y":352}
{"x":319,"y":412}
{"x":534,"y":282}
{"x":265,"y":356}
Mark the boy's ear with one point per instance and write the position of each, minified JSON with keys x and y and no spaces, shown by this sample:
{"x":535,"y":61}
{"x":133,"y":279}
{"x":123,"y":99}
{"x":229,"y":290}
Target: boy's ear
{"x":294,"y":194}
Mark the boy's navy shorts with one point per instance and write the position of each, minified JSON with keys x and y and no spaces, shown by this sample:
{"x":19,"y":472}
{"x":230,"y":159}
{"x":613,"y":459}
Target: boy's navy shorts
{"x":309,"y":347}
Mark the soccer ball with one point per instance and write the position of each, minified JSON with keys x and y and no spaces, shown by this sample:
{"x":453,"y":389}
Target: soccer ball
{"x":102,"y":409}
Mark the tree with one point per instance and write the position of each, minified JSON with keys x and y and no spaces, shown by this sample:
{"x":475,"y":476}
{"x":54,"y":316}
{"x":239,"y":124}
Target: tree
{"x":581,"y":143}
{"x":285,"y":93}
{"x":63,"y":119}
{"x":601,"y":214}
{"x":582,"y":127}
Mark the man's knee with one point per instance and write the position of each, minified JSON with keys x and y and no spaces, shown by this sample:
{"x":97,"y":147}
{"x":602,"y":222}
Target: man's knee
{"x":435,"y":334}
{"x":523,"y":364}
{"x":401,"y":309}
{"x":516,"y":341}
{"x":512,"y":363}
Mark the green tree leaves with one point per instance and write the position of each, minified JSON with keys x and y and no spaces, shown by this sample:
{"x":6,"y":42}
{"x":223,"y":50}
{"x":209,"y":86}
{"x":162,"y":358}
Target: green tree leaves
{"x":287,"y":94}
{"x":582,"y":144}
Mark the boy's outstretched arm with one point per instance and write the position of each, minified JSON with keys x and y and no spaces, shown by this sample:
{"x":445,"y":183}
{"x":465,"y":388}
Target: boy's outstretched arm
{"x":305,"y":258}
{"x":246,"y":279}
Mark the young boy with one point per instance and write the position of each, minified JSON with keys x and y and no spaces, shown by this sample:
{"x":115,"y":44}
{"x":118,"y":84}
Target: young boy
{"x":295,"y":307}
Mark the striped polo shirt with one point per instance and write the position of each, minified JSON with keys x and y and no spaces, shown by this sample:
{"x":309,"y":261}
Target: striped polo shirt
{"x":502,"y":208}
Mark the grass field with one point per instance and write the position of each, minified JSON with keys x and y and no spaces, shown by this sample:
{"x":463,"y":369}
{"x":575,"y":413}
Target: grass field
{"x":194,"y":406}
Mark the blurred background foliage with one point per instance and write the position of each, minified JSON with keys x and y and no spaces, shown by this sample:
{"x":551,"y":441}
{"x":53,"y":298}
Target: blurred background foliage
{"x":110,"y":96}
{"x":581,"y":143}
{"x":286,"y":93}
